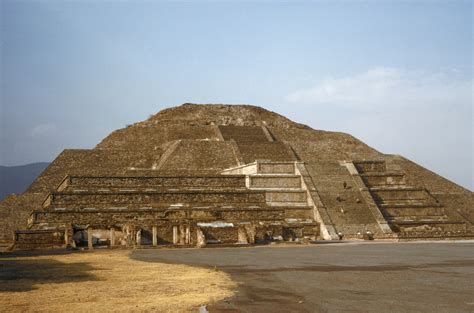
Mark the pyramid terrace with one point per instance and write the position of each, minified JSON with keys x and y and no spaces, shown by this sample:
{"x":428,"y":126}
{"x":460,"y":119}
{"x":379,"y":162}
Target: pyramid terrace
{"x":199,"y":175}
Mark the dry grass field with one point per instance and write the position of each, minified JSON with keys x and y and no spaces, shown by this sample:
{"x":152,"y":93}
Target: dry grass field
{"x":105,"y":281}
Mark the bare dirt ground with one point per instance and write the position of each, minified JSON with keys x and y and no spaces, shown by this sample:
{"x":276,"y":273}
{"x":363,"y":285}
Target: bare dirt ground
{"x":335,"y":277}
{"x":105,"y":281}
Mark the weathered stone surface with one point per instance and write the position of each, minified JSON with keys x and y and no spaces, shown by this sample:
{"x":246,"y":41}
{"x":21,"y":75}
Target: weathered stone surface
{"x":166,"y":172}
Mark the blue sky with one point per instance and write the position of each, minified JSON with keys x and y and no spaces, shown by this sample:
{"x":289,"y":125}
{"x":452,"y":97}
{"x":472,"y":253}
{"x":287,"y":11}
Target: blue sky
{"x":396,"y":74}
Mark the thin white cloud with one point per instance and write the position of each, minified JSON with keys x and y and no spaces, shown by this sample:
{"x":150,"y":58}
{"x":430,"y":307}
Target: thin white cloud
{"x":43,"y":130}
{"x":388,"y":87}
{"x":425,"y":116}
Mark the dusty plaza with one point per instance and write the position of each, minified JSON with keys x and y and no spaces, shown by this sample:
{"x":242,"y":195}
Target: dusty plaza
{"x":342,"y":277}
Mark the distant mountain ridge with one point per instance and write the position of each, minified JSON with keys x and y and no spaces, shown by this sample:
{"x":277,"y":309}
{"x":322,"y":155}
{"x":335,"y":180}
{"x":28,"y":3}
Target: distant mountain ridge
{"x":15,"y":179}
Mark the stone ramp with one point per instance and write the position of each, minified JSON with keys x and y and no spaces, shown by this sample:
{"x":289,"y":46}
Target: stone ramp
{"x":284,"y":189}
{"x":413,"y":212}
{"x":349,"y":209}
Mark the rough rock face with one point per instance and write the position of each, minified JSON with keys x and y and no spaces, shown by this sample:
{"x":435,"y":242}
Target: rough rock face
{"x":354,"y":187}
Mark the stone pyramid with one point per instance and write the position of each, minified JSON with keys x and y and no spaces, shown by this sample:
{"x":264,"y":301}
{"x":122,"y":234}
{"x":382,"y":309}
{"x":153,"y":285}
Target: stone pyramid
{"x":231,"y":174}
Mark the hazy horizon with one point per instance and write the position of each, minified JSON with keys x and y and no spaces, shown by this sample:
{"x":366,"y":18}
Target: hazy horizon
{"x":396,"y":75}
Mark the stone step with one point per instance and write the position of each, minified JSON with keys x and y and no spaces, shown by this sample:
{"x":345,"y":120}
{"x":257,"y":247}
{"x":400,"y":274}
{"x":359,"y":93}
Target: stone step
{"x":400,"y":188}
{"x":124,"y":198}
{"x":406,"y":202}
{"x":140,"y":189}
{"x":410,"y":211}
{"x":287,"y":204}
{"x":275,"y":181}
{"x":370,"y":166}
{"x":286,"y":196}
{"x":276,"y":189}
{"x":382,"y":174}
{"x":418,"y":218}
{"x":408,"y":205}
{"x":298,"y":212}
{"x":459,"y":235}
{"x":210,"y":181}
{"x":423,"y":222}
{"x":383,"y":179}
{"x":400,"y":194}
{"x":137,"y":208}
{"x":430,"y":227}
{"x":276,"y":168}
{"x":436,"y":235}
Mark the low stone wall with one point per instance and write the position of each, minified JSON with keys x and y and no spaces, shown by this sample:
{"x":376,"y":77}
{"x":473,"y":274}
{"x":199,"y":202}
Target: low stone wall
{"x":372,"y":180}
{"x":220,"y":234}
{"x":431,"y":228}
{"x":303,"y":213}
{"x":286,"y":196}
{"x":265,"y":233}
{"x":154,"y":182}
{"x":392,"y":212}
{"x":37,"y":239}
{"x":275,"y":168}
{"x":275,"y":181}
{"x":101,"y":218}
{"x":88,"y":199}
{"x":402,"y":194}
{"x":370,"y":166}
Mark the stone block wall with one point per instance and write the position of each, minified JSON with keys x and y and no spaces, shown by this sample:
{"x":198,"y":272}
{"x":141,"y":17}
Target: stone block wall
{"x":146,"y":199}
{"x":377,"y":179}
{"x":149,"y":182}
{"x":275,"y":168}
{"x":220,"y":234}
{"x":370,"y":166}
{"x":107,"y":218}
{"x":37,"y":239}
{"x":275,"y":182}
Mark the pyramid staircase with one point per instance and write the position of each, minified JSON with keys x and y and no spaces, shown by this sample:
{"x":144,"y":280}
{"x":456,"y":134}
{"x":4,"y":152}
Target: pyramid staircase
{"x":255,"y":143}
{"x":285,"y":190}
{"x":412,"y":212}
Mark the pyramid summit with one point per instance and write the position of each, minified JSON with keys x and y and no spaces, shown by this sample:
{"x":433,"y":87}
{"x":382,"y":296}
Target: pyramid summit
{"x":195,"y":175}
